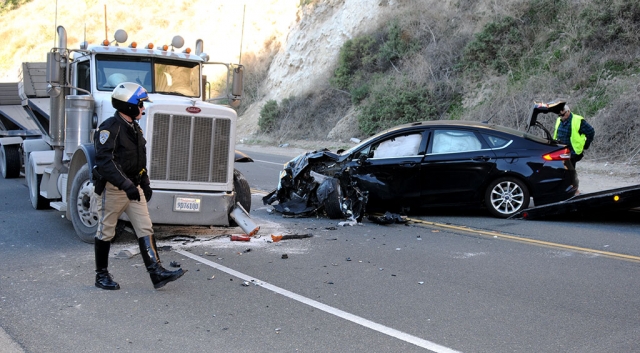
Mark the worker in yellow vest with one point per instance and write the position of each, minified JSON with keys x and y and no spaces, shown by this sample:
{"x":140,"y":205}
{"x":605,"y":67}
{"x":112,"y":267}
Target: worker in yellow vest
{"x":575,"y":132}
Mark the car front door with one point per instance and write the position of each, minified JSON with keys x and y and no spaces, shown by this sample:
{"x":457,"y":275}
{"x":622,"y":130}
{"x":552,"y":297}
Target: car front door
{"x":391,"y":169}
{"x":455,"y":168}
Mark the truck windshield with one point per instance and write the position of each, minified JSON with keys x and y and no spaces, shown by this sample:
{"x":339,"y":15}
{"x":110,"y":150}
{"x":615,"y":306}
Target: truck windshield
{"x":155,"y":75}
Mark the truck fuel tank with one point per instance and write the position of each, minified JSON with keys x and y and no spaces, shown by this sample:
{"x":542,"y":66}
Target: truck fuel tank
{"x":79,"y":115}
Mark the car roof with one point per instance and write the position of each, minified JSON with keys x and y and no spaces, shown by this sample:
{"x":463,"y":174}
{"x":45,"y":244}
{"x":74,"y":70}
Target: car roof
{"x":445,"y":123}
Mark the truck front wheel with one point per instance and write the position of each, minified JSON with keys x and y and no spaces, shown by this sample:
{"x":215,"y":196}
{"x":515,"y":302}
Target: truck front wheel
{"x":243,"y":191}
{"x":82,"y":206}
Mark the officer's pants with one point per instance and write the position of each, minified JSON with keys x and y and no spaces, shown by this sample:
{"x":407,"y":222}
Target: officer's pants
{"x":112,"y":203}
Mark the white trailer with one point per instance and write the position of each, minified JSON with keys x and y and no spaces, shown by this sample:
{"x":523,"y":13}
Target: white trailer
{"x":47,"y":130}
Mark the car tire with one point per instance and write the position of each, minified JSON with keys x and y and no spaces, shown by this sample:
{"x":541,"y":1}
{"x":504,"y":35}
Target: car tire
{"x":81,"y":205}
{"x":10,"y":161}
{"x":333,"y":203}
{"x":506,"y":196}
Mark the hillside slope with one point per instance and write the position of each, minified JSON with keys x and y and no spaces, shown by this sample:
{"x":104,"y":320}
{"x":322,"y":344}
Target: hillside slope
{"x":471,"y":60}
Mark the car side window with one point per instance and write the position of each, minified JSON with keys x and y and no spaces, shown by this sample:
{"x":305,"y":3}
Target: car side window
{"x":451,"y":141}
{"x":397,"y":146}
{"x":495,"y":141}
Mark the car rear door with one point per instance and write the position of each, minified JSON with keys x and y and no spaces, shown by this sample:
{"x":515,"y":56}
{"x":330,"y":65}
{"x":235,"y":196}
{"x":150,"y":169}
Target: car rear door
{"x":455,"y":168}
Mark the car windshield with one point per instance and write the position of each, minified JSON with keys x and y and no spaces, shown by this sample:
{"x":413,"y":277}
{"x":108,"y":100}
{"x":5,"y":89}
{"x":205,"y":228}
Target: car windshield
{"x":155,"y":75}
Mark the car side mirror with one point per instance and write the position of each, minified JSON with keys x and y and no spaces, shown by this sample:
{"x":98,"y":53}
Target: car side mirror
{"x":362,"y":159}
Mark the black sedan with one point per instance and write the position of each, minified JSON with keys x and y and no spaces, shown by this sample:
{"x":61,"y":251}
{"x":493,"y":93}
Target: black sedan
{"x":425,"y":165}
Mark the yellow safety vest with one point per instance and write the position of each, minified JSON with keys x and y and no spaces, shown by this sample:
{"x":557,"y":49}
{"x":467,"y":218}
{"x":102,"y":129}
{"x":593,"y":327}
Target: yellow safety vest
{"x":577,"y":139}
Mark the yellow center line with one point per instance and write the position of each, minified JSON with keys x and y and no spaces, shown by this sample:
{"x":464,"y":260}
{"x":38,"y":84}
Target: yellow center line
{"x":527,"y":240}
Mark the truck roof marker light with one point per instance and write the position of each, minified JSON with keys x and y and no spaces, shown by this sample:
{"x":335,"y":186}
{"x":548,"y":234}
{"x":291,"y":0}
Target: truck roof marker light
{"x":149,"y":46}
{"x":105,"y":42}
{"x":187,"y":51}
{"x":165,"y":47}
{"x":133,"y":45}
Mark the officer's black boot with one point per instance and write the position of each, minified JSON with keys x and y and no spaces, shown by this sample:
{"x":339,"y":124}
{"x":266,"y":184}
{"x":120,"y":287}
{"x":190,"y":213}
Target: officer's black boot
{"x":159,"y":275}
{"x":103,"y":277}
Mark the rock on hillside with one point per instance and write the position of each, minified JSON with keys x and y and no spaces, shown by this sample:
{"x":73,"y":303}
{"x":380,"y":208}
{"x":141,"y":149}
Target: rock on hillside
{"x":310,"y":51}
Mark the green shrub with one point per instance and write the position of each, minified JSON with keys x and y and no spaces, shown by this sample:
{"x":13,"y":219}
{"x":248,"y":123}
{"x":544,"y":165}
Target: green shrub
{"x":498,"y":46}
{"x":394,"y":101}
{"x":268,"y":116}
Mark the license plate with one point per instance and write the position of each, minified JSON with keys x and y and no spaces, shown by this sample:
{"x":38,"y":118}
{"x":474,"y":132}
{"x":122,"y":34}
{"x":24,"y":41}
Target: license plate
{"x":186,"y":204}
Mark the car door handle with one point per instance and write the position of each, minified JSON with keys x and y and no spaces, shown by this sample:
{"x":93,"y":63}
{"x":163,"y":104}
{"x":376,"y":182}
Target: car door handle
{"x":408,"y":164}
{"x":481,"y":158}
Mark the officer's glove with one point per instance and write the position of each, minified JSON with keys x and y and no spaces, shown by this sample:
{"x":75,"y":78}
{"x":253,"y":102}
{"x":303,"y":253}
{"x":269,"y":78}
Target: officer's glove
{"x":146,"y":187}
{"x":132,"y":191}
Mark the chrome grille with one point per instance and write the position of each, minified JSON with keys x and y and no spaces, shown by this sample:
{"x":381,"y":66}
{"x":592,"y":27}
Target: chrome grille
{"x":189,"y":148}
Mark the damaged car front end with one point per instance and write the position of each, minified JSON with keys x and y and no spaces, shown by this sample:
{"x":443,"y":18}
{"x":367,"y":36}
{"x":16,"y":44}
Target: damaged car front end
{"x":318,"y":181}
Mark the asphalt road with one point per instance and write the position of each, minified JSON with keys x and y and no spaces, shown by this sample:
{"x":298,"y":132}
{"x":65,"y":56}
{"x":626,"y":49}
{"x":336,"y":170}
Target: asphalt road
{"x":449,"y":281}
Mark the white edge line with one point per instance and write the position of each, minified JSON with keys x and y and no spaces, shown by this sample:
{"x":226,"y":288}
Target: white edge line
{"x":280,"y":164}
{"x":328,"y":309}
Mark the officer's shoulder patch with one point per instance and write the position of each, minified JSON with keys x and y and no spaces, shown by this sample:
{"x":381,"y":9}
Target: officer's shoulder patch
{"x":104,"y":136}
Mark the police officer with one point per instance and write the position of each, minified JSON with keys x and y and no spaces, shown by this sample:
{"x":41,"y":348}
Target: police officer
{"x":575,"y":132}
{"x":121,"y":179}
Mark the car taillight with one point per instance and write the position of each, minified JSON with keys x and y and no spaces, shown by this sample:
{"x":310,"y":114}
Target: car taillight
{"x":559,"y":155}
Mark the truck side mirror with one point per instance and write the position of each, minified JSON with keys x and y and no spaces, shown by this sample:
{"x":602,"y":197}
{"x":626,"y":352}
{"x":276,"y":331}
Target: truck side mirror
{"x":237,"y":84}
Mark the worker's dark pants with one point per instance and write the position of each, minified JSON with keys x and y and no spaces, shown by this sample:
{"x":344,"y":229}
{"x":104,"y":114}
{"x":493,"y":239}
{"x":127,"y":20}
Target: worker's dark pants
{"x":112,"y":203}
{"x":575,"y":158}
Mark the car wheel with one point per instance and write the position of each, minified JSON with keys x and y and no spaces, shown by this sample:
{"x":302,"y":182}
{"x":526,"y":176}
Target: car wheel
{"x":506,"y":196}
{"x":333,"y":203}
{"x":10,"y":161}
{"x":82,"y":206}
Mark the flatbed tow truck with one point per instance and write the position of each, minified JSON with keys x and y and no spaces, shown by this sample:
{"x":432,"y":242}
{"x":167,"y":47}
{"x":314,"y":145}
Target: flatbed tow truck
{"x":619,"y":199}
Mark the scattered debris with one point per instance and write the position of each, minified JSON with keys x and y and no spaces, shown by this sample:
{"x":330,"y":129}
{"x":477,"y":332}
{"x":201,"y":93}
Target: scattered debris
{"x":212,"y":277}
{"x":245,"y":284}
{"x":285,"y":256}
{"x":349,"y":222}
{"x":244,"y":221}
{"x":174,"y":264}
{"x":240,"y":237}
{"x":277,"y":238}
{"x":388,"y":218}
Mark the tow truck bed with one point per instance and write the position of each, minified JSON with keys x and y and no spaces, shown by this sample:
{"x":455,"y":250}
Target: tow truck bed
{"x":608,"y":200}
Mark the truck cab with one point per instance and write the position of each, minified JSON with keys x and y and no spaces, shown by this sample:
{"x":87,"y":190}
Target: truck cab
{"x":190,"y":139}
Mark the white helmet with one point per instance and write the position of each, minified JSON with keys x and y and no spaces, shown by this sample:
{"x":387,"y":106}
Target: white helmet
{"x":127,"y":97}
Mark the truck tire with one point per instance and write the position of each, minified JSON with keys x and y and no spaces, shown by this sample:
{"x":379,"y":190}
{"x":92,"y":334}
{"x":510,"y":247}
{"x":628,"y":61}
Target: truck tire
{"x":506,"y":196}
{"x":82,"y":206}
{"x":10,"y":161}
{"x":243,"y":190}
{"x":33,"y":183}
{"x":243,"y":194}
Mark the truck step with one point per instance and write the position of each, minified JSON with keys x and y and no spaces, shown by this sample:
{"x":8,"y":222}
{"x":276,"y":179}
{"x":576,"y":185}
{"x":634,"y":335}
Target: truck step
{"x":59,"y":205}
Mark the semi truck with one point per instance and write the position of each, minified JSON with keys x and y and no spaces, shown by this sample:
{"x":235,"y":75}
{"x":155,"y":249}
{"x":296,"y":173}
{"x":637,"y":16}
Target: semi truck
{"x":46,"y":131}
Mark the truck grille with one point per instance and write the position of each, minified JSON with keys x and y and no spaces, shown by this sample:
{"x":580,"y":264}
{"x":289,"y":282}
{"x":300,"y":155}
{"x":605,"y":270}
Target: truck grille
{"x":189,"y":148}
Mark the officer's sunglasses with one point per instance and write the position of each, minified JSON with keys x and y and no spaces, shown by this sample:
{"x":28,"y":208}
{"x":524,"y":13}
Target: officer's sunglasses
{"x":140,"y":104}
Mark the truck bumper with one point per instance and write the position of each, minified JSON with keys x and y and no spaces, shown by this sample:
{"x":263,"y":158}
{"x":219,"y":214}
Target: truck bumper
{"x":214,"y":208}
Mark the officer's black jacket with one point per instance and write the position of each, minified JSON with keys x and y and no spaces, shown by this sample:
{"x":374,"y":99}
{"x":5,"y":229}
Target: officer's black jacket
{"x":120,"y":151}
